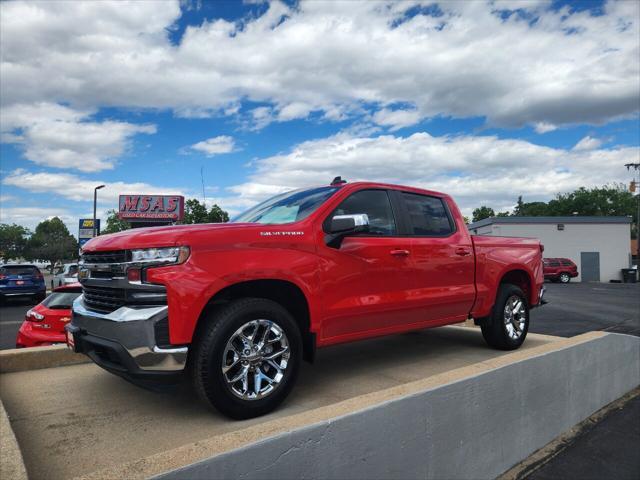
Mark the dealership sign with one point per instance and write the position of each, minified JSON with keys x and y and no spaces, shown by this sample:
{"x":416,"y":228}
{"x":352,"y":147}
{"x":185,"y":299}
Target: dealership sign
{"x":85,"y":230}
{"x":169,"y":208}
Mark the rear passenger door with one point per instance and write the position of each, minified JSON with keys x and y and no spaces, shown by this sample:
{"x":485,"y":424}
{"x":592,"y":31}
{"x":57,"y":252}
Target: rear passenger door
{"x":443,"y":261}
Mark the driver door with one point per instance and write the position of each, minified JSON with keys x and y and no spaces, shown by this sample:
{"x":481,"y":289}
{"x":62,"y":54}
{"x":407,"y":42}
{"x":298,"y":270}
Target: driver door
{"x":366,"y":288}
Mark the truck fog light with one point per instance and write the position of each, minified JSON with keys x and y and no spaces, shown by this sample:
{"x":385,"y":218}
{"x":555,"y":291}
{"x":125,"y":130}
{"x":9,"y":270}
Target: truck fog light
{"x":134,"y":274}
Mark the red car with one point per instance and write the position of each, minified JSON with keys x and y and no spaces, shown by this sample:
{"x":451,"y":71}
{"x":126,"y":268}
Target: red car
{"x":559,"y":269}
{"x":245,"y":302}
{"x":44,"y":324}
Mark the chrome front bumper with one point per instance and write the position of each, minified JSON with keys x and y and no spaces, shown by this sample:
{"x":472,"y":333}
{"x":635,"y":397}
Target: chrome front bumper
{"x":124,"y":341}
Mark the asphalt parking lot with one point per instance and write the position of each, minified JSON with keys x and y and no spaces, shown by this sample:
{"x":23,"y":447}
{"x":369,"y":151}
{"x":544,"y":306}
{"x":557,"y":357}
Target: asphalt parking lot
{"x":576,"y":308}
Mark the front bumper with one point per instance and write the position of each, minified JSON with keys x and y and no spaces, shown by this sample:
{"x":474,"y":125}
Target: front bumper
{"x":124,"y":341}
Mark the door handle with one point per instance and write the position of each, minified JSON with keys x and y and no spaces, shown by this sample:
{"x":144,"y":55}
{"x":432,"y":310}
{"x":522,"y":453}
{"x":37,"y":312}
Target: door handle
{"x":462,"y":251}
{"x":399,"y":253}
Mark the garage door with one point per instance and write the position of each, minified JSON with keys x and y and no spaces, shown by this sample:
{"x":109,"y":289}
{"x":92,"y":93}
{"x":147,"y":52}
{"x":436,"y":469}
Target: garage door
{"x":590,"y":266}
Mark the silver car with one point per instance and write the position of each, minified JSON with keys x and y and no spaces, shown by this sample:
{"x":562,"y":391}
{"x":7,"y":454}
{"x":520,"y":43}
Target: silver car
{"x":66,"y":274}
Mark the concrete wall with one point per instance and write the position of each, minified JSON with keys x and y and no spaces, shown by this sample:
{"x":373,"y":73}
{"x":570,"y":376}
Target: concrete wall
{"x":477,"y":427}
{"x":611,"y":240}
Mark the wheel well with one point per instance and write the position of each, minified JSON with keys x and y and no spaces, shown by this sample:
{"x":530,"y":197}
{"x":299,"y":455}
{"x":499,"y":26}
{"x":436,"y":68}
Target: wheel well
{"x":287,"y":294}
{"x":519,"y":278}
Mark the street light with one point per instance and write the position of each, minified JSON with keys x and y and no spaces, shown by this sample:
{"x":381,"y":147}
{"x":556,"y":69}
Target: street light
{"x":95,"y":201}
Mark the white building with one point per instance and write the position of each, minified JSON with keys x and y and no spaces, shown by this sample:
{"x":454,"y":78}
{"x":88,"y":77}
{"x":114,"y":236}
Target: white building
{"x":599,"y":246}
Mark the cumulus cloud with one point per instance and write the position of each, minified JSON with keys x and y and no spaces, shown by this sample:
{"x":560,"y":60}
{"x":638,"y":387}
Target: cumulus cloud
{"x":396,"y":119}
{"x":476,"y":170}
{"x":76,"y":188}
{"x":58,"y":136}
{"x":215,"y":146}
{"x":588,"y":143}
{"x":459,"y":59}
{"x":29,"y":217}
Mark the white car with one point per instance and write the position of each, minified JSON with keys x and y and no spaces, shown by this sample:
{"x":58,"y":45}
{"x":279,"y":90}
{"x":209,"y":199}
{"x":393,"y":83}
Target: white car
{"x":66,"y":274}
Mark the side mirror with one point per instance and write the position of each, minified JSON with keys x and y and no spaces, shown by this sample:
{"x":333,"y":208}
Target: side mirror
{"x":349,"y":224}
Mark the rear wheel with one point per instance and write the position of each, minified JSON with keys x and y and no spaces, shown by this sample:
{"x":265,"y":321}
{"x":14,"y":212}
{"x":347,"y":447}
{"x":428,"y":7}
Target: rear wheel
{"x":509,"y":323}
{"x":247,"y":358}
{"x":565,"y":278}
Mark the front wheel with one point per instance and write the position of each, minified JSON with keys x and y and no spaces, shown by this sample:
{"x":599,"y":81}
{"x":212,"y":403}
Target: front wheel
{"x":565,"y":278}
{"x":510,"y":319}
{"x":247,"y":358}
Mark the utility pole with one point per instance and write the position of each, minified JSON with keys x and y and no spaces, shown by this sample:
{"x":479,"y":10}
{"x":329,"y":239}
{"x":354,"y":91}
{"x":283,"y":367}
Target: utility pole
{"x":636,"y":167}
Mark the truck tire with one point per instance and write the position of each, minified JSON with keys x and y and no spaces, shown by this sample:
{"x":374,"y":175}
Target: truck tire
{"x":564,"y":278}
{"x":509,"y":323}
{"x":247,"y":357}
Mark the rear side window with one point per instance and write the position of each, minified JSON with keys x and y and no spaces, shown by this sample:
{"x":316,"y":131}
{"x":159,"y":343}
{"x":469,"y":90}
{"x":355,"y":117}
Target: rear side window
{"x":428,"y":216}
{"x":567,"y":263}
{"x":374,"y":203}
{"x":61,"y":300}
{"x":18,"y":270}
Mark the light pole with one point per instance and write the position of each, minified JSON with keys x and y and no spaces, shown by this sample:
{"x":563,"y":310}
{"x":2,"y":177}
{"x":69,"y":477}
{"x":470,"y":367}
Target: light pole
{"x":95,"y":201}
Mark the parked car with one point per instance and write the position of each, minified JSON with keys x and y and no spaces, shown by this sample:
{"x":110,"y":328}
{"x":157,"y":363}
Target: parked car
{"x":559,"y":269}
{"x":66,"y":274}
{"x":21,"y":280}
{"x":247,"y":301}
{"x":44,"y":324}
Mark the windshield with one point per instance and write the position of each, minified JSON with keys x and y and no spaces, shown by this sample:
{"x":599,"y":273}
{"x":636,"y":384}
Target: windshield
{"x":287,"y":207}
{"x":60,"y":300}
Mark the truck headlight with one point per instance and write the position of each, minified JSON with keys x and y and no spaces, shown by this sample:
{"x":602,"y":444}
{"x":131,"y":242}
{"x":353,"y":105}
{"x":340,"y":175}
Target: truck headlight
{"x":172,"y":255}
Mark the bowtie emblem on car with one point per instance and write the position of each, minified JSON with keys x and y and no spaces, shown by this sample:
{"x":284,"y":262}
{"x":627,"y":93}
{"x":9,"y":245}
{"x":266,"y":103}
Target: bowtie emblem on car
{"x":84,"y":273}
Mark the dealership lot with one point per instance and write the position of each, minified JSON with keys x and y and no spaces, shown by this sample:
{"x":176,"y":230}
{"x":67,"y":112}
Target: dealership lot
{"x":572,"y":309}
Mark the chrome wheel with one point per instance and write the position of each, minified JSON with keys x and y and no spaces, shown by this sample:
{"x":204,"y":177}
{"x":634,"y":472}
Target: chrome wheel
{"x":255,"y":359}
{"x":564,"y":278}
{"x":515,"y":316}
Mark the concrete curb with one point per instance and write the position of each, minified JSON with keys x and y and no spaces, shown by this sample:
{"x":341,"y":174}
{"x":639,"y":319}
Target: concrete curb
{"x":11,"y":462}
{"x":473,"y":427}
{"x":20,"y":359}
{"x":383,"y":426}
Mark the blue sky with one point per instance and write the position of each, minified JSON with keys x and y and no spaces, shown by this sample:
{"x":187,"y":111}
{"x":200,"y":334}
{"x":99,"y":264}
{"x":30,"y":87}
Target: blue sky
{"x":484,"y":100}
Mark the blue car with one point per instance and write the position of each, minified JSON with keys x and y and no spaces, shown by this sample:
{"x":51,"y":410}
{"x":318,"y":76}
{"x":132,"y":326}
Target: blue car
{"x":21,"y":281}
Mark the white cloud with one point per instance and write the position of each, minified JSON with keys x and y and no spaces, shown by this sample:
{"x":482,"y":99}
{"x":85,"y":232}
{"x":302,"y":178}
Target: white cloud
{"x":215,"y":146}
{"x":57,"y":136}
{"x":396,"y":119}
{"x":332,"y":58}
{"x":30,"y":217}
{"x":587,"y":143}
{"x":544,"y":127}
{"x":80,"y":189}
{"x":476,"y":170}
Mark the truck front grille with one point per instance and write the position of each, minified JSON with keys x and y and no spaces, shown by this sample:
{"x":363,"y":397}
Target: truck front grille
{"x":104,"y":299}
{"x":116,"y":256}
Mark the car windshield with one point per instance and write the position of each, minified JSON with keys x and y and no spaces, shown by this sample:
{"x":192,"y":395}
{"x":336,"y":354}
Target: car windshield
{"x":287,"y":207}
{"x":60,"y":300}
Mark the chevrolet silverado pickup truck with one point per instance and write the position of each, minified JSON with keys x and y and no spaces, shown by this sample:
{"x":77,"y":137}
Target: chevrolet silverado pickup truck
{"x":237,"y":306}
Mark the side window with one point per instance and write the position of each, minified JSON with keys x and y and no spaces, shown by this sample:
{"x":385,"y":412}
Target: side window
{"x":376,"y":204}
{"x":428,"y":215}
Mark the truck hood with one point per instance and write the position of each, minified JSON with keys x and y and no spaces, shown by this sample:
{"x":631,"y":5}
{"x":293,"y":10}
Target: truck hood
{"x":159,"y":236}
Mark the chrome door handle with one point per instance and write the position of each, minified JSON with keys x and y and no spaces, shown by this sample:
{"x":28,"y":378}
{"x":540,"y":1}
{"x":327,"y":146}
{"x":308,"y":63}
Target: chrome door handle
{"x":399,"y":253}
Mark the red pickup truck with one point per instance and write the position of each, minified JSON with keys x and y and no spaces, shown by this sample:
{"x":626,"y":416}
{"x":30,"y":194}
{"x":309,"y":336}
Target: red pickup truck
{"x":238,"y":306}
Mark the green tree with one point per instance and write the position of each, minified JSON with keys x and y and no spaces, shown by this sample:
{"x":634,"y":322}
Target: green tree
{"x":52,"y":242}
{"x":114,"y":223}
{"x":608,"y":200}
{"x":196,"y":212}
{"x":483,"y":212}
{"x":13,"y":241}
